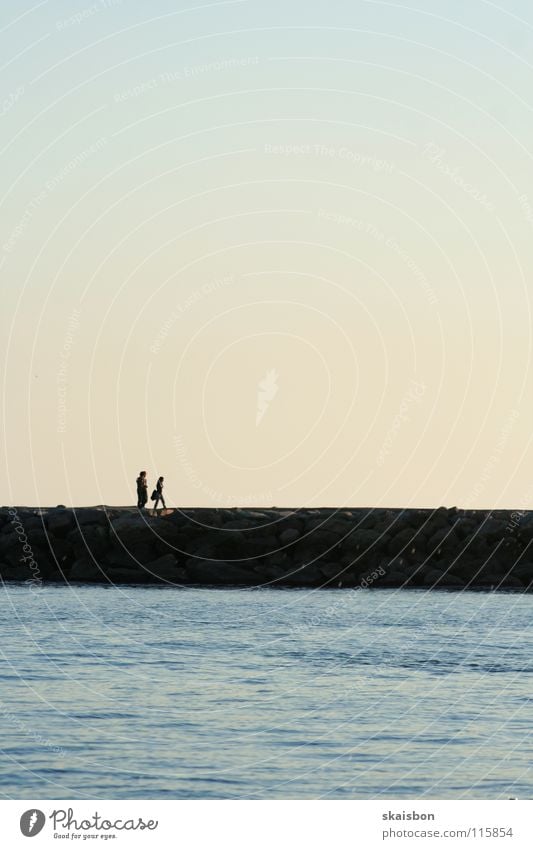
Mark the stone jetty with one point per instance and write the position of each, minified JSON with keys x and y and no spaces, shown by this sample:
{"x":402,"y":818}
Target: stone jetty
{"x":444,"y":548}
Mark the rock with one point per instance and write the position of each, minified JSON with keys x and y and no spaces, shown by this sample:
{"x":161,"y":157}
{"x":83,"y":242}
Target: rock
{"x":61,"y":552}
{"x":509,"y":552}
{"x":174,"y":534}
{"x":444,"y":539}
{"x":219,"y":572}
{"x":524,"y":571}
{"x":267,"y":573}
{"x":15,"y":572}
{"x":432,"y":577}
{"x":257,"y":517}
{"x":510,"y":582}
{"x":30,"y":523}
{"x":278,"y":558}
{"x":239,"y":524}
{"x":452,"y":581}
{"x":59,"y":521}
{"x":444,"y":548}
{"x":466,"y":568}
{"x":403,"y":541}
{"x":493,"y":529}
{"x":85,"y":570}
{"x":321,"y":540}
{"x":413,"y":575}
{"x":524,"y":530}
{"x":36,"y":559}
{"x":305,"y":575}
{"x":442,"y":578}
{"x":288,"y":536}
{"x":387,"y":518}
{"x":167,"y":568}
{"x":11,"y":542}
{"x":203,"y":519}
{"x":465,"y":529}
{"x":253,"y":549}
{"x":91,"y":516}
{"x":133,"y":528}
{"x":340,"y":527}
{"x":435,"y":521}
{"x":392,"y":578}
{"x":134,"y":558}
{"x":475,"y":547}
{"x":89,"y":539}
{"x":205,"y":551}
{"x":160,"y":548}
{"x":331,"y":570}
{"x":221,"y":537}
{"x":363,"y":540}
{"x":312,"y":523}
{"x":485,"y":576}
{"x":118,"y":574}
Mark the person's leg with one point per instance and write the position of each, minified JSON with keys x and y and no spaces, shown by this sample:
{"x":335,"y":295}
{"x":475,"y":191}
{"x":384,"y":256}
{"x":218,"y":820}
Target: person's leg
{"x":163,"y":503}
{"x":156,"y":502}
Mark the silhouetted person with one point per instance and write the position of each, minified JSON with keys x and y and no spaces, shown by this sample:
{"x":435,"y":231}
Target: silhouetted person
{"x":157,"y":494}
{"x":142,"y":490}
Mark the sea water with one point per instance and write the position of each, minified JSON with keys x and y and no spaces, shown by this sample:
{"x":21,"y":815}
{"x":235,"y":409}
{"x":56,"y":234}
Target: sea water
{"x":197,"y":693}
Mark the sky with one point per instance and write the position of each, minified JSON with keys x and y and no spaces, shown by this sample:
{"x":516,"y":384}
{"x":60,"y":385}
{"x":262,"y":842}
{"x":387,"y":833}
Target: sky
{"x":279,"y":253}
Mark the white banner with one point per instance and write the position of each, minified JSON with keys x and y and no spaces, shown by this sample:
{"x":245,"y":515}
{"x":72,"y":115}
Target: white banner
{"x":262,"y":825}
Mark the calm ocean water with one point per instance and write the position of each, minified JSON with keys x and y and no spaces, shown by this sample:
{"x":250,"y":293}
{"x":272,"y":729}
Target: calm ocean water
{"x":137,"y":692}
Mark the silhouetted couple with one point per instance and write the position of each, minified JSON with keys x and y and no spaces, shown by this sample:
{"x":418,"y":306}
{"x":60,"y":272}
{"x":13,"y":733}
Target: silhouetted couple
{"x":142,"y":492}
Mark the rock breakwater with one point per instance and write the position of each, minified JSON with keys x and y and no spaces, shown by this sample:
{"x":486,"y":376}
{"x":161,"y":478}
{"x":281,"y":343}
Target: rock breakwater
{"x":446,"y":548}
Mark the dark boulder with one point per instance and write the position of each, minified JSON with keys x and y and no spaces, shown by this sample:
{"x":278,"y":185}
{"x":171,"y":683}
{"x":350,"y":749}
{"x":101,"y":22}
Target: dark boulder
{"x":85,"y":570}
{"x":289,"y":535}
{"x":442,"y":541}
{"x":15,"y":572}
{"x":91,"y":516}
{"x":133,"y":528}
{"x":306,"y":575}
{"x":119,"y":574}
{"x":493,"y":529}
{"x":59,"y":521}
{"x":403,"y":541}
{"x":218,"y":572}
{"x":166,"y":568}
{"x":133,"y":558}
{"x":524,"y":572}
{"x":89,"y":539}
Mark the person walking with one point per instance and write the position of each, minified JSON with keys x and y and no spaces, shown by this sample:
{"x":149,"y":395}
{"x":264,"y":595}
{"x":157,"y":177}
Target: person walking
{"x":142,"y":490}
{"x":157,"y":494}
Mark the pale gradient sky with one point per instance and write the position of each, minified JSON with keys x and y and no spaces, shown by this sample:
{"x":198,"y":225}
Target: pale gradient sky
{"x":334,"y":198}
